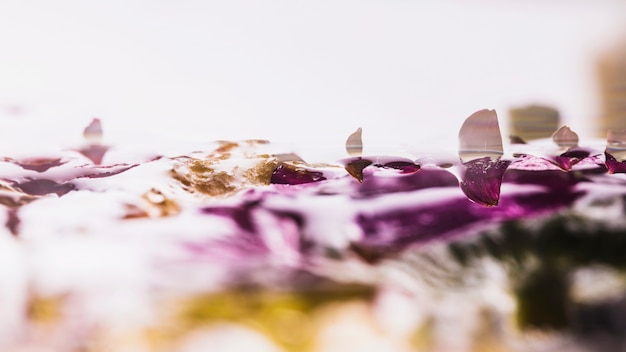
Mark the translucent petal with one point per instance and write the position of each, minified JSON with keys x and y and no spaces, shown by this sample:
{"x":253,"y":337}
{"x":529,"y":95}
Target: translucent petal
{"x":354,"y":144}
{"x":564,"y":137}
{"x":482,"y":180}
{"x":480,"y":137}
{"x":616,"y":144}
{"x":93,"y":132}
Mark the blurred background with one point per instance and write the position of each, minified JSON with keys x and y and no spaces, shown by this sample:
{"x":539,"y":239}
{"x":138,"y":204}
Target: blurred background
{"x":307,"y":72}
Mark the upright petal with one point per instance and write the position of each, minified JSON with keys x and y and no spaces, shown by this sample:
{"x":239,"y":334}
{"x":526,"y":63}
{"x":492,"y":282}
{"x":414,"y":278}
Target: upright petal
{"x":564,"y":137}
{"x":482,"y":180}
{"x":93,"y":132}
{"x":354,"y":144}
{"x":480,"y":149}
{"x":480,"y":137}
{"x":615,"y":151}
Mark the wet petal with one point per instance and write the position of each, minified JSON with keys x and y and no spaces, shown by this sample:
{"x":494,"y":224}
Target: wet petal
{"x":615,"y":151}
{"x":291,"y":175}
{"x":570,"y":158}
{"x":482,"y":180}
{"x":94,"y":152}
{"x":613,"y":165}
{"x":355,"y":168}
{"x":480,"y":137}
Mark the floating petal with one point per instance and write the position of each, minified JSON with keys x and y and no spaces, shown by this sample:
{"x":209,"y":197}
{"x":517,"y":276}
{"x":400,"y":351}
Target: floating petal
{"x":93,"y":132}
{"x":39,"y":164}
{"x":482,"y":180}
{"x":564,"y":137}
{"x":613,"y":165}
{"x":354,"y":144}
{"x":480,"y":137}
{"x":616,"y":151}
{"x":570,"y":158}
{"x":94,"y":152}
{"x":355,"y":168}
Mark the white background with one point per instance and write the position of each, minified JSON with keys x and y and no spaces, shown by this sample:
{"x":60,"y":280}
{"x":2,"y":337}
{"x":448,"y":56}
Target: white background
{"x":304,"y":72}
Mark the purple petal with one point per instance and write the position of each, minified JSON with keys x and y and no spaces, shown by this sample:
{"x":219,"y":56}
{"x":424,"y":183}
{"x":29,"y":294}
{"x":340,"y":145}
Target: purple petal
{"x":39,"y":164}
{"x":615,"y":151}
{"x":94,"y":152}
{"x":43,"y":186}
{"x":613,"y":165}
{"x":570,"y":158}
{"x":289,"y":175}
{"x":482,"y":179}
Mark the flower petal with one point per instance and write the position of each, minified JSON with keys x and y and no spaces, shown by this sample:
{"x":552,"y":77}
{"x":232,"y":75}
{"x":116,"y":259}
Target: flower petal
{"x":354,"y":144}
{"x":480,"y":137}
{"x":564,"y":137}
{"x":482,"y":180}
